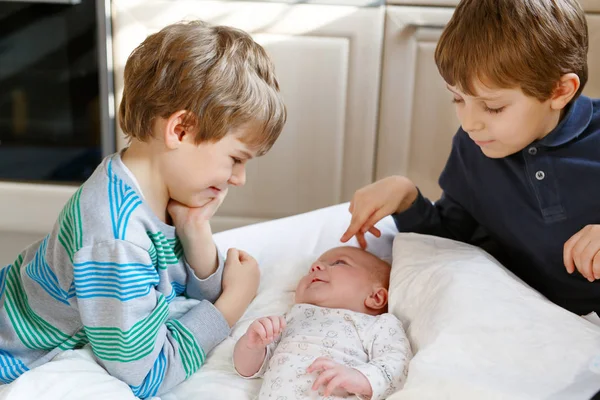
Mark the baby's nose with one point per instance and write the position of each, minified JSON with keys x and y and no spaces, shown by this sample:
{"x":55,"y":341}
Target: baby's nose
{"x":316,"y":267}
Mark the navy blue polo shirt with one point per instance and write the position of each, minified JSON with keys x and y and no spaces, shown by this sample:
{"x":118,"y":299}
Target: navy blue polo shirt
{"x":529,"y":203}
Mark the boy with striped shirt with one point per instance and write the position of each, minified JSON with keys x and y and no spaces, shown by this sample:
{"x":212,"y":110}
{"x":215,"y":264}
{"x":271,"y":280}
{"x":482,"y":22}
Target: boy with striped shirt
{"x":198,"y":103}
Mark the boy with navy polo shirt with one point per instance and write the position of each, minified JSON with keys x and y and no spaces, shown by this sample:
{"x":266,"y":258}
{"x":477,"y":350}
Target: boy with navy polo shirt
{"x":525,"y":165}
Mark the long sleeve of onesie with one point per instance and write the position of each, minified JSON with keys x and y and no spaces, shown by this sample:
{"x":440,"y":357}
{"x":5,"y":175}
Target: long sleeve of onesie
{"x":389,"y":354}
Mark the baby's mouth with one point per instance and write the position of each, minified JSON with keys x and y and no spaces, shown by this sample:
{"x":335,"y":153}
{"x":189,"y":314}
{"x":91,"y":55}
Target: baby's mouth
{"x":316,"y":280}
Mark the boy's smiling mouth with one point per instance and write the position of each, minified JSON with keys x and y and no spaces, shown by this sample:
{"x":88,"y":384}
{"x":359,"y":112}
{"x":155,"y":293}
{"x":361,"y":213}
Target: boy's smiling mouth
{"x":216,"y":191}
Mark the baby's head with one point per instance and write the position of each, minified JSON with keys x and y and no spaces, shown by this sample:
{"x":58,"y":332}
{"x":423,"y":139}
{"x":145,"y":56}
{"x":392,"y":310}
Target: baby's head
{"x":348,"y":278}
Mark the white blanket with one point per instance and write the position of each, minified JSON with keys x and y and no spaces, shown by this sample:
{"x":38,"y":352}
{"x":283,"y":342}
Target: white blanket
{"x":462,"y":352}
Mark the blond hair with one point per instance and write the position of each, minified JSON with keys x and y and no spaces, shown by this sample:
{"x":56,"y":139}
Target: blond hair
{"x":219,"y":75}
{"x":514,"y":43}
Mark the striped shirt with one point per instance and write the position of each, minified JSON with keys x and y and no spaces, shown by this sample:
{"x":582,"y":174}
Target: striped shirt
{"x":106,"y":275}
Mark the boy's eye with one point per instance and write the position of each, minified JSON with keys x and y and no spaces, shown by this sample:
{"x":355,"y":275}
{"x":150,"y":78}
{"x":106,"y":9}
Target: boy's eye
{"x":494,"y":110}
{"x":236,"y":160}
{"x":455,"y":100}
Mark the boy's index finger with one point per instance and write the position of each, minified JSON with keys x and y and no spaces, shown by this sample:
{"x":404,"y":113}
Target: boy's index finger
{"x":348,"y":234}
{"x":355,"y":224}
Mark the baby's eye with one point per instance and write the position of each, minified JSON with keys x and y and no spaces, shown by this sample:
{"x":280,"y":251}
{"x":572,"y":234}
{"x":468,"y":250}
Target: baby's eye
{"x":338,"y":262}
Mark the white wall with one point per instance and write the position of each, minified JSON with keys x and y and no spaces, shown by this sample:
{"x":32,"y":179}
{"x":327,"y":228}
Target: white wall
{"x":12,"y":243}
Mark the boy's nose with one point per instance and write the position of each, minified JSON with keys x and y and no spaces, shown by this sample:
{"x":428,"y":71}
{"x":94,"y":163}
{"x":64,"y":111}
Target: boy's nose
{"x":238,"y":177}
{"x":470,"y":121}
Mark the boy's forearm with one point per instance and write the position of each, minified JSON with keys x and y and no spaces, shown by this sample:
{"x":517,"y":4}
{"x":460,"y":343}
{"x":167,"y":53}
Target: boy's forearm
{"x":446,"y":218}
{"x":201,"y":252}
{"x":247,"y":362}
{"x":231,"y":306}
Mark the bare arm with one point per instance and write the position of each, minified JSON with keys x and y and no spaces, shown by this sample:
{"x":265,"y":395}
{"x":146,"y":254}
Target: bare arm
{"x":248,"y":360}
{"x":200,"y":251}
{"x":251,"y":350}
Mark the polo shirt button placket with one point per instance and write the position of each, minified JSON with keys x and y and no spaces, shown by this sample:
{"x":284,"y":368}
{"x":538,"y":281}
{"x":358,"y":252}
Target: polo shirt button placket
{"x":540,"y":175}
{"x":533,"y":151}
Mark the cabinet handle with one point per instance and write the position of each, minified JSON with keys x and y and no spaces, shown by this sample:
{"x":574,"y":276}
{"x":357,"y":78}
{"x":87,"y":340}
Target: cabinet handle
{"x":428,"y":26}
{"x":403,"y":21}
{"x":47,"y":1}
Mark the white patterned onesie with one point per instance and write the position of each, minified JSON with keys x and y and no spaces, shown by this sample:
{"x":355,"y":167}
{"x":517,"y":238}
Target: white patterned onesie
{"x":374,"y":345}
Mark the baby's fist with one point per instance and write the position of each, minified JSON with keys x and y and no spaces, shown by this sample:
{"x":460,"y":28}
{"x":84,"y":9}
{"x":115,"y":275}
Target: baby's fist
{"x":264,"y":331}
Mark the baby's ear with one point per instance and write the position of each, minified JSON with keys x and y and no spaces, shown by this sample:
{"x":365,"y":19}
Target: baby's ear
{"x":378,"y":299}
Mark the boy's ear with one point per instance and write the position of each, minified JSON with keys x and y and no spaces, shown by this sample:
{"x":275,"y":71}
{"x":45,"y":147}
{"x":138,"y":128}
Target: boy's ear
{"x":378,"y":299}
{"x":565,"y":90}
{"x":174,"y":131}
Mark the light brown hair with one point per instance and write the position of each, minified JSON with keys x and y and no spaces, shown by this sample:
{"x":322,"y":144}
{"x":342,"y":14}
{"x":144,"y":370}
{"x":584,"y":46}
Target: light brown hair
{"x":514,"y":43}
{"x":220,"y":75}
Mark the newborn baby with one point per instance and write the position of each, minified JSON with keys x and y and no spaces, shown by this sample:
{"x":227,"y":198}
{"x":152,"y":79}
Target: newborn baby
{"x":337,"y":341}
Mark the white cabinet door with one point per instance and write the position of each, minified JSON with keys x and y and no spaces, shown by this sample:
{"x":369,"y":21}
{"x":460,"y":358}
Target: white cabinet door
{"x":592,"y":88}
{"x":588,"y":5}
{"x":417,"y":118}
{"x":328,"y":64}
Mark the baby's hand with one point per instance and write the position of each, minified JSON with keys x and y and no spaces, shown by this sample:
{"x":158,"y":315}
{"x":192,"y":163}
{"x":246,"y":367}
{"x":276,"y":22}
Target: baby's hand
{"x":582,"y":251}
{"x":337,"y":376}
{"x":264,"y":331}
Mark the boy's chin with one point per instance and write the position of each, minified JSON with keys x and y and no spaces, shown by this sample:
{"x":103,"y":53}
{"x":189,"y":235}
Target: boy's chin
{"x":496,"y":153}
{"x":204,"y":198}
{"x":202,"y":202}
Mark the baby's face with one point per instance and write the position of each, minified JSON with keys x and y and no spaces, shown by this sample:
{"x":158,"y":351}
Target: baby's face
{"x":340,"y":278}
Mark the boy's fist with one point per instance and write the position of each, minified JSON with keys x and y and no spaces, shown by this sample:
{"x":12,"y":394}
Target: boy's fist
{"x":241,"y":275}
{"x":264,"y":331}
{"x":582,"y":252}
{"x":370,"y":204}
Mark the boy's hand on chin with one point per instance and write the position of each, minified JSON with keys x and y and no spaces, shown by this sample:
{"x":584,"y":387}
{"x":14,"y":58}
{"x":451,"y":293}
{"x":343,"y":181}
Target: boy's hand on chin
{"x":188,"y":219}
{"x":192,"y":225}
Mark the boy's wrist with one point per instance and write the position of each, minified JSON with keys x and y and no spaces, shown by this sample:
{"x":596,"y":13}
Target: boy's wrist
{"x":409,"y":193}
{"x":200,"y":251}
{"x":194,"y":232}
{"x":231,"y":306}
